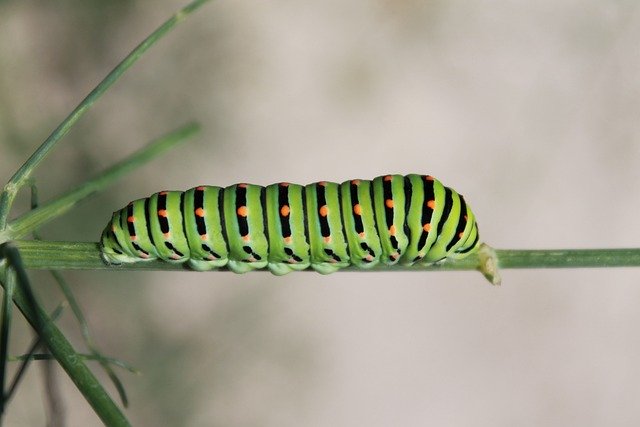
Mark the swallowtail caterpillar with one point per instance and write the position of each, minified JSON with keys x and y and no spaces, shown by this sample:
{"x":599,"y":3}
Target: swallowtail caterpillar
{"x":392,"y":219}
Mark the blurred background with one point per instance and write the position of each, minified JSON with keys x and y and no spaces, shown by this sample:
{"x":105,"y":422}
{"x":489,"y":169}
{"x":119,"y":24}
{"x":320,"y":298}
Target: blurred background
{"x":529,"y":109}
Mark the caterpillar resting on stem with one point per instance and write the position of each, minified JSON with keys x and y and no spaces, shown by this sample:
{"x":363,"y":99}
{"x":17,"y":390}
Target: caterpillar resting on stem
{"x":392,"y":219}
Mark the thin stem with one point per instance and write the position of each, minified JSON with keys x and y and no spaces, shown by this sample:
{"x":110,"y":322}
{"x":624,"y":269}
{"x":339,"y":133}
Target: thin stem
{"x":33,"y":219}
{"x":58,"y":345}
{"x":77,"y":311}
{"x":54,"y":408}
{"x":25,"y":171}
{"x":88,"y":339}
{"x":110,"y":360}
{"x":7,"y":313}
{"x":31,"y":353}
{"x":86,"y":256}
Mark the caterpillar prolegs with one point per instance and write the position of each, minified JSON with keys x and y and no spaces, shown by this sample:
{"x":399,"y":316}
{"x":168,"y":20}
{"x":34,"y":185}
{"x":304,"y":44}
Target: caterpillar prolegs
{"x":392,"y":219}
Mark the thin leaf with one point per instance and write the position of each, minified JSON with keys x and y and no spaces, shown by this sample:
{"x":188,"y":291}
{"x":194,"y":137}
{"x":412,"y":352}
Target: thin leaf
{"x":84,"y":356}
{"x":58,"y":345}
{"x":33,"y":219}
{"x":24,"y":172}
{"x":27,"y":358}
{"x":86,"y":334}
{"x":7,"y":312}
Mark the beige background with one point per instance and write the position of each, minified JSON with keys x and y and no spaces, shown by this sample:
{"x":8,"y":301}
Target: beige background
{"x":530,"y":109}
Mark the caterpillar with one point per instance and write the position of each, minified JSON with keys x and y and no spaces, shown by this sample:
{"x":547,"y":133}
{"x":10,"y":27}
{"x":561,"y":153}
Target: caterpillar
{"x":392,"y":219}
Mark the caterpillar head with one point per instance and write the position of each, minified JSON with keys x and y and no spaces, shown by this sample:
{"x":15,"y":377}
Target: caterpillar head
{"x":112,"y":251}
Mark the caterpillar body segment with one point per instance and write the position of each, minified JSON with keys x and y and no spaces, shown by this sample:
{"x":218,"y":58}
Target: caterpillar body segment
{"x":392,"y":219}
{"x":209,"y":250}
{"x":245,"y":225}
{"x":287,"y":225}
{"x":390,"y":212}
{"x":166,"y":227}
{"x":360,"y":223}
{"x":329,"y":251}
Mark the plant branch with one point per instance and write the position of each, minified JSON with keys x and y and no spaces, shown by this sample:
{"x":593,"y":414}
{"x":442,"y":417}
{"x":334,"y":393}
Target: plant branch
{"x":24,"y":172}
{"x":35,"y":218}
{"x":86,"y":256}
{"x":58,"y":345}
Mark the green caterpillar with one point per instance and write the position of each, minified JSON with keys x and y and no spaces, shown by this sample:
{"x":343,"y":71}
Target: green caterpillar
{"x":326,"y":226}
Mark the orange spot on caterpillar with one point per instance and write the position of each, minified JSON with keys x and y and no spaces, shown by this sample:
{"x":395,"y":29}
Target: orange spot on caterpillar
{"x":134,"y":237}
{"x":357,"y":209}
{"x":392,"y":230}
{"x":431,"y":204}
{"x":361,"y":235}
{"x":200,"y":188}
{"x":243,"y":211}
{"x":246,"y":237}
{"x":211,"y":258}
{"x":162,"y":213}
{"x":167,"y":234}
{"x":162,"y":193}
{"x":113,"y":228}
{"x":395,"y":255}
{"x":131,"y":218}
{"x":143,"y":255}
{"x":242,"y":185}
{"x":460,"y":234}
{"x":388,"y":178}
{"x":428,"y":178}
{"x":287,"y":239}
{"x":324,"y":210}
{"x":175,"y":256}
{"x":466,"y":218}
{"x":204,"y":236}
{"x":323,"y":183}
{"x":327,"y":239}
{"x":292,"y":261}
{"x":284,"y":210}
{"x":427,"y":227}
{"x":355,"y":182}
{"x":389,"y":203}
{"x":199,"y":212}
{"x":284,"y":184}
{"x":369,"y":258}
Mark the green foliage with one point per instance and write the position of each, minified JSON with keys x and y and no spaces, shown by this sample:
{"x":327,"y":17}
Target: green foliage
{"x":13,"y":275}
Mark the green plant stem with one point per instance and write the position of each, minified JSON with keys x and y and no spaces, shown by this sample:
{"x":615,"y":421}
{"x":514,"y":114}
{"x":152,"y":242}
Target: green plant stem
{"x":35,"y":218}
{"x":25,"y":171}
{"x":59,"y":347}
{"x":46,"y":356}
{"x":7,"y":311}
{"x":88,"y":339}
{"x":27,"y":358}
{"x":86,"y":256}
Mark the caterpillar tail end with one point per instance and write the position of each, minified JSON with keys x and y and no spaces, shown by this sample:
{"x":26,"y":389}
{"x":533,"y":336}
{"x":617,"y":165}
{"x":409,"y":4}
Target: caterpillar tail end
{"x":489,"y":264}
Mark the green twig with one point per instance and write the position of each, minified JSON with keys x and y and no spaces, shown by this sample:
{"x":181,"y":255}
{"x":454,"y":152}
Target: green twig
{"x":7,"y":312}
{"x":77,"y":312}
{"x":58,"y":345}
{"x":110,"y":360}
{"x":88,"y":339}
{"x":86,"y":256}
{"x":25,"y":171}
{"x":31,"y":353}
{"x":35,"y":218}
